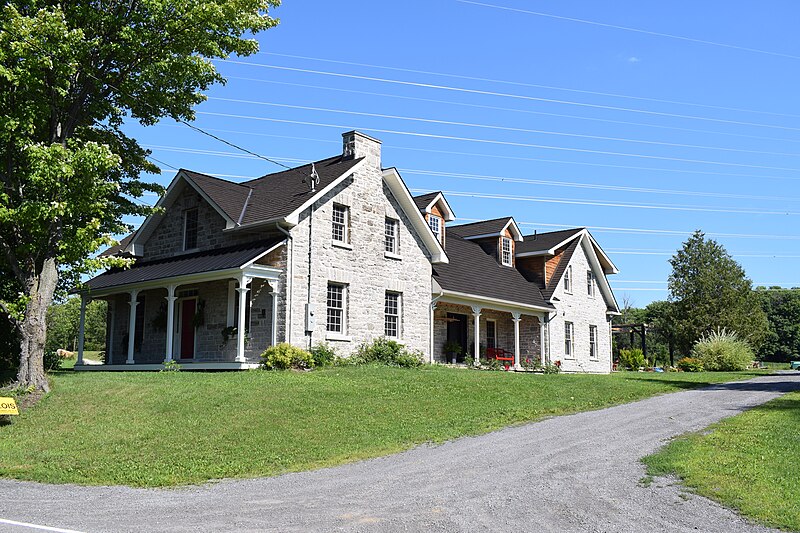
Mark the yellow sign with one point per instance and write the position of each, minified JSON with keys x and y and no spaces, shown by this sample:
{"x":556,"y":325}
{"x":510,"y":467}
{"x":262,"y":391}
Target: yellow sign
{"x":8,"y":406}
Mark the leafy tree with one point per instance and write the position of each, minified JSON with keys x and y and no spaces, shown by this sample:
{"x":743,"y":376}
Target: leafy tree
{"x":70,"y":74}
{"x":659,"y":330}
{"x":782,"y":306}
{"x":63,"y":321}
{"x":709,"y":290}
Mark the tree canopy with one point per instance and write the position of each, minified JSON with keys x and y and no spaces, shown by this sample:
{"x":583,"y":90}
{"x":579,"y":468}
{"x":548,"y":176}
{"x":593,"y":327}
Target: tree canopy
{"x":709,"y":290}
{"x":782,"y":306}
{"x":70,"y":75}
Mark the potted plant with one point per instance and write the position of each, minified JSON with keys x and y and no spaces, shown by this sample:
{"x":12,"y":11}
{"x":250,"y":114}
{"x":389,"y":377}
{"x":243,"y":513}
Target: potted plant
{"x":452,"y":350}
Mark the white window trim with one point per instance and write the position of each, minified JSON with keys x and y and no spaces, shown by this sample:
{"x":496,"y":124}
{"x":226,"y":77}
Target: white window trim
{"x":494,"y":322}
{"x":569,"y":326}
{"x":596,"y":356}
{"x":345,"y":242}
{"x":393,"y":254}
{"x":440,"y":225}
{"x":591,"y":284}
{"x":185,"y":217}
{"x":568,"y":281}
{"x":337,"y":335}
{"x":503,"y":241}
{"x":399,"y":315}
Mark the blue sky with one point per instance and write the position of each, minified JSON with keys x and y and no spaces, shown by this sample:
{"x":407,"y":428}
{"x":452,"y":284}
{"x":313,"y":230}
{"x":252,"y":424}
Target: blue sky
{"x":524,"y":110}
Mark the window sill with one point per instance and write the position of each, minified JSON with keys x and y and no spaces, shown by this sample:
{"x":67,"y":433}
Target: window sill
{"x":390,"y":255}
{"x":331,"y":336}
{"x":345,"y":245}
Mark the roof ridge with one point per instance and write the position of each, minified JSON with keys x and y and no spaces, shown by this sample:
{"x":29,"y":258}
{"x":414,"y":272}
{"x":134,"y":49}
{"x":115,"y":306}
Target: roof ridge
{"x":228,"y":182}
{"x":338,"y":156}
{"x":480,"y":222}
{"x":540,"y":233}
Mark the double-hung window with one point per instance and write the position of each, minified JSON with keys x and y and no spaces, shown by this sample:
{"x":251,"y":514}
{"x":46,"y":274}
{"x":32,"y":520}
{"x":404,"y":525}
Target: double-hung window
{"x":390,"y":233}
{"x":435,"y":224}
{"x":505,"y":251}
{"x":336,"y":318}
{"x":391,"y":315}
{"x":568,"y":280}
{"x":491,"y":334}
{"x":590,"y":284}
{"x":569,"y":340}
{"x":592,"y":342}
{"x":190,"y":229}
{"x":340,"y":223}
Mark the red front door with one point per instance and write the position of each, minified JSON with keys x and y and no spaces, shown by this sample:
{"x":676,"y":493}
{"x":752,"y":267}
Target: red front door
{"x":188,"y":308}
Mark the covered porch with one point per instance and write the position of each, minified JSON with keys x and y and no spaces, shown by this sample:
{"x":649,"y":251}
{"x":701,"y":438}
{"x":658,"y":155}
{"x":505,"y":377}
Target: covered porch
{"x":478,"y":328}
{"x":220,"y":318}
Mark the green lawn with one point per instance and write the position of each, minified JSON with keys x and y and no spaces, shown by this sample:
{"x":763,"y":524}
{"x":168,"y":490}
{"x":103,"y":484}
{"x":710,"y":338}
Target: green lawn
{"x":750,"y":462}
{"x":161,"y":429}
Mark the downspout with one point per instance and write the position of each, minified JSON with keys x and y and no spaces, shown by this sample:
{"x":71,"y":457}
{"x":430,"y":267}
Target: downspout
{"x":309,"y":333}
{"x":432,"y":308}
{"x":289,"y":276}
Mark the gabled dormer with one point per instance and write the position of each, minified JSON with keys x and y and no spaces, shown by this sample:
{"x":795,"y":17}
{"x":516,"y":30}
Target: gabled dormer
{"x":437,"y":213}
{"x":498,"y":237}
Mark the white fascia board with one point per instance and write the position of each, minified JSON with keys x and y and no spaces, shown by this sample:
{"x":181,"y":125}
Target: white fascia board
{"x":608,"y":293}
{"x":401,"y":193}
{"x":149,"y":224}
{"x":511,"y":225}
{"x":449,"y":215}
{"x":294,"y":217}
{"x":600,"y":252}
{"x":486,"y":302}
{"x":533,"y":254}
{"x":552,"y":251}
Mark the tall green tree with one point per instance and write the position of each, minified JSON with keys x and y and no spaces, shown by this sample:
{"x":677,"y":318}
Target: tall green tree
{"x":70,"y":75}
{"x":782,"y":307}
{"x":710,"y":290}
{"x":63,"y":320}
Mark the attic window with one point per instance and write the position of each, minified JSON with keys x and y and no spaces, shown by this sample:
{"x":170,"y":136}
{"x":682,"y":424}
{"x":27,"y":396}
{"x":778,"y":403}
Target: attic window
{"x":568,"y":280}
{"x":190,"y":229}
{"x":435,"y":224}
{"x":505,"y":251}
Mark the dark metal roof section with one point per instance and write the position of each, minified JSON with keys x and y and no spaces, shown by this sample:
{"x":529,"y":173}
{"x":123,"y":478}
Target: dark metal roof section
{"x":473,"y":271}
{"x":181,"y":265}
{"x":280,"y":194}
{"x":544,"y":241}
{"x":116,"y":249}
{"x":560,"y":269}
{"x":484,"y":227}
{"x":424,"y":200}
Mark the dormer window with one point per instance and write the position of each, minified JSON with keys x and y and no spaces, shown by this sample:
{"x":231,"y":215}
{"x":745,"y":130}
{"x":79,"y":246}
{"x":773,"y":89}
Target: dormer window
{"x":505,"y":251}
{"x":435,"y":223}
{"x":190,"y":229}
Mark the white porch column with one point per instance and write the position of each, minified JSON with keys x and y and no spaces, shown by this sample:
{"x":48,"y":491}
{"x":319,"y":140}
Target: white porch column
{"x":81,"y":328}
{"x":242,"y":289}
{"x":170,"y":321}
{"x":543,"y":338}
{"x":112,"y":322}
{"x":273,"y":285}
{"x":476,"y":313}
{"x":516,"y":317}
{"x":431,"y":343}
{"x":132,"y":325}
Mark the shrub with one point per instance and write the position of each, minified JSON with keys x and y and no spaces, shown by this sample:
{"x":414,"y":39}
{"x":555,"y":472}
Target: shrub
{"x":723,"y":351}
{"x":552,"y":368}
{"x":323,"y":354}
{"x":52,"y":361}
{"x":491,"y":364}
{"x":531,"y":363}
{"x":171,"y":366}
{"x":632,"y":359}
{"x":385,"y":351}
{"x":690,"y":364}
{"x":285,"y":356}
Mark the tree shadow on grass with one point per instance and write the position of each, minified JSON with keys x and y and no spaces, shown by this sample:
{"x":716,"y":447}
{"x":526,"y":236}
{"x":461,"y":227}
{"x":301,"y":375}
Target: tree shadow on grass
{"x":784,"y":382}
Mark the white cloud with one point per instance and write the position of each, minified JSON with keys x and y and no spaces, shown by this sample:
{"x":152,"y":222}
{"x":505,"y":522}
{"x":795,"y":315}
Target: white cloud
{"x":634,"y":59}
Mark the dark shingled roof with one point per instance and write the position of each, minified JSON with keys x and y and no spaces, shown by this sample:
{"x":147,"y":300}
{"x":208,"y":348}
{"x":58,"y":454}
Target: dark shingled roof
{"x":229,"y":196}
{"x":278,"y":195}
{"x":114,"y":250}
{"x":544,"y":241}
{"x":560,"y":269}
{"x":181,"y":265}
{"x":484,"y":227}
{"x":423,"y":200}
{"x":473,"y":271}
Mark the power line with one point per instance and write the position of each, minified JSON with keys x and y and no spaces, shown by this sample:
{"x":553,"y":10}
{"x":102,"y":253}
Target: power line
{"x":497,"y":142}
{"x":531,"y":85}
{"x":635,"y":30}
{"x":507,"y":95}
{"x":502,"y":128}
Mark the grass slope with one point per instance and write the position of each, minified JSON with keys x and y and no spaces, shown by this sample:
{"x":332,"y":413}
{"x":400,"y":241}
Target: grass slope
{"x":163,"y":429}
{"x":750,"y":462}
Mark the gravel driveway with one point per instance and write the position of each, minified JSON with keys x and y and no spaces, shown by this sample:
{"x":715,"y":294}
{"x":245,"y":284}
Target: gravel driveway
{"x":569,"y":473}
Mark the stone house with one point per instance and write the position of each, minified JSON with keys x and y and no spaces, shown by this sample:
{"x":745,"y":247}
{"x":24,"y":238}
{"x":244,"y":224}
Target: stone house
{"x":339,"y":251}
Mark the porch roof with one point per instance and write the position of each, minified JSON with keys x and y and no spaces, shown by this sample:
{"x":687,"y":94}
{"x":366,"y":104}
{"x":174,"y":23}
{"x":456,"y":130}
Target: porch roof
{"x":182,"y":265}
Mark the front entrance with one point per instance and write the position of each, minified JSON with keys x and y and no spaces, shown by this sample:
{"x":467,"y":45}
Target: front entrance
{"x":456,"y":333}
{"x":187,"y":329}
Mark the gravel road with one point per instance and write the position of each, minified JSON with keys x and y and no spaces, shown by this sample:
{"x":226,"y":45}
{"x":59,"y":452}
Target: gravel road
{"x":571,"y":473}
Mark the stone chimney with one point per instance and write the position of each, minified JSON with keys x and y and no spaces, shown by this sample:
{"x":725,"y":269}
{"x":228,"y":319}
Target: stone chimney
{"x":355,"y":144}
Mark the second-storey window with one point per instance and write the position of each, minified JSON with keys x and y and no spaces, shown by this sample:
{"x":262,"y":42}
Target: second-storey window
{"x":435,"y":224}
{"x":569,"y":341}
{"x":592,"y":342}
{"x":392,"y":314}
{"x":190,"y":229}
{"x":505,"y":251}
{"x":590,"y":283}
{"x":568,"y":280}
{"x":340,"y":223}
{"x":390,"y":235}
{"x":336,"y":308}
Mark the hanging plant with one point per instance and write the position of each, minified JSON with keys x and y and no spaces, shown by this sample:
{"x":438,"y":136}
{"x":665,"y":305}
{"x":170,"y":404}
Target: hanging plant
{"x":199,"y":314}
{"x":227,"y":333}
{"x":159,"y":321}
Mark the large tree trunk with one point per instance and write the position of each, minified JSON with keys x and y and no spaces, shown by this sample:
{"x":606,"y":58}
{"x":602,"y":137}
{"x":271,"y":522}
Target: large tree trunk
{"x":33,"y":328}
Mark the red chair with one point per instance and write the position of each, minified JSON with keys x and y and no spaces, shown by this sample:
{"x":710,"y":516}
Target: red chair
{"x":501,"y":355}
